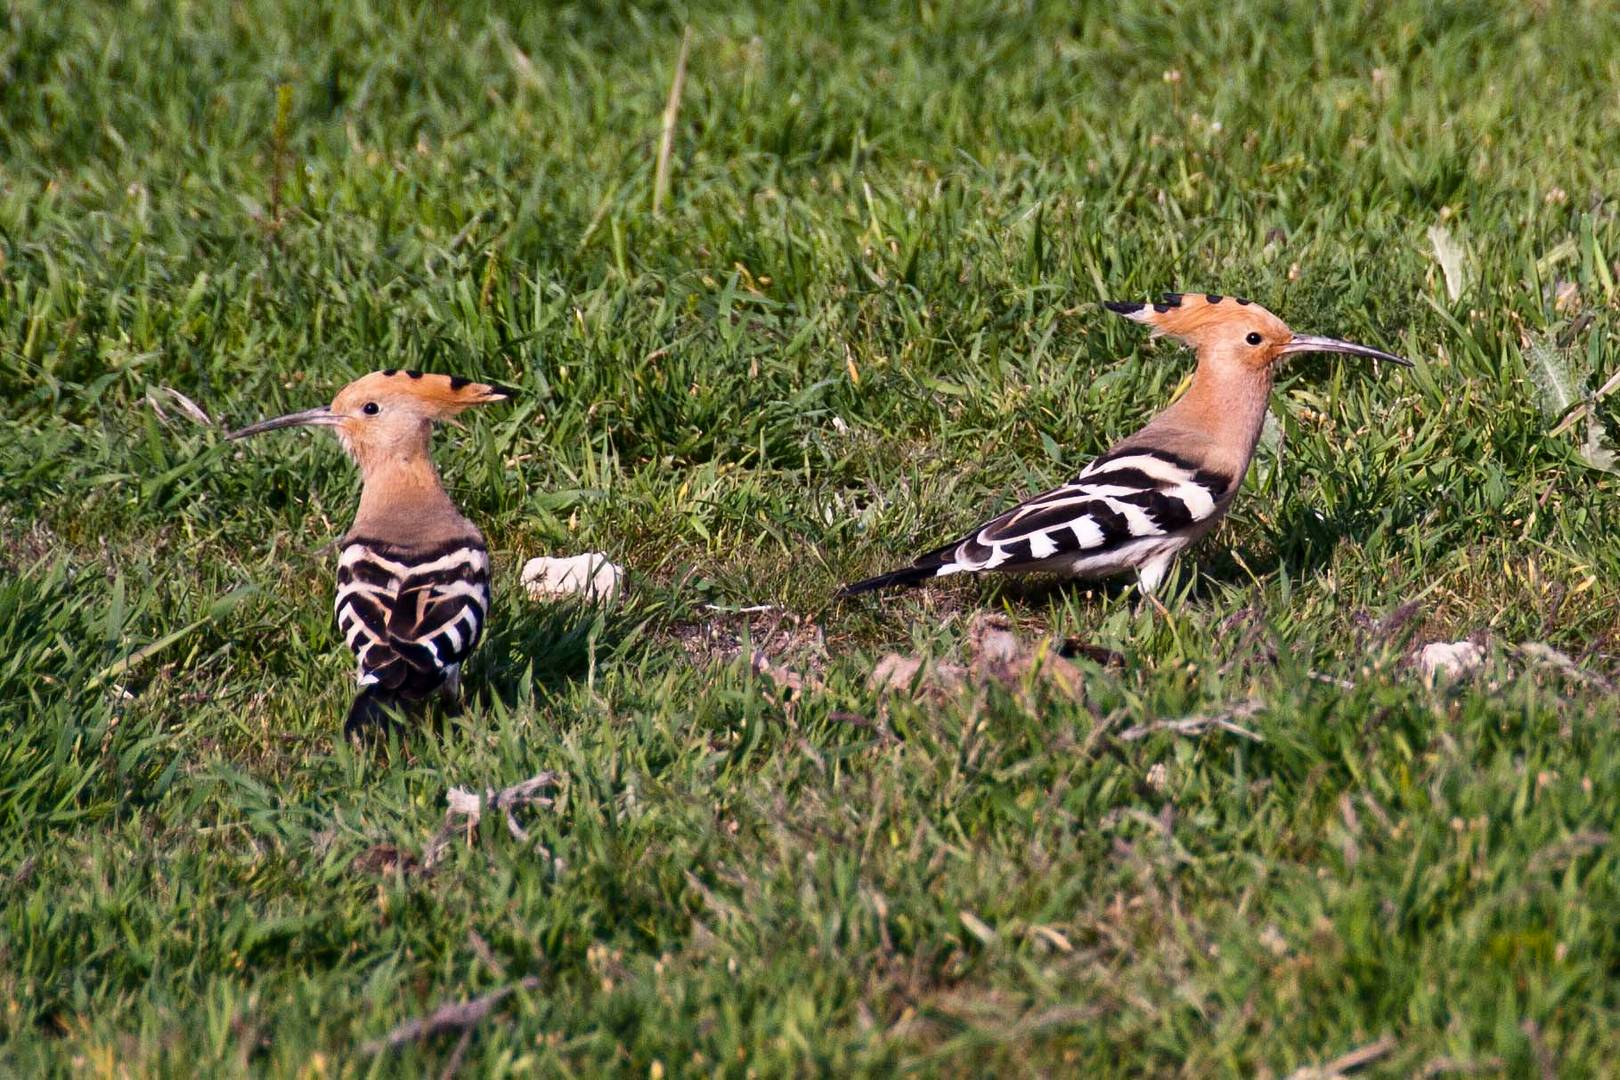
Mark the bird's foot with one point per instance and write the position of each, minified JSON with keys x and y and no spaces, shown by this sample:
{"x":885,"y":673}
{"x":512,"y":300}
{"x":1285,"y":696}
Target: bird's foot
{"x":1144,"y":600}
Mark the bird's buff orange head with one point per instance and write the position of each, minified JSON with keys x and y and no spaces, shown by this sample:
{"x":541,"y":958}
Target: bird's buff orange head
{"x":1229,"y":329}
{"x":388,"y":413}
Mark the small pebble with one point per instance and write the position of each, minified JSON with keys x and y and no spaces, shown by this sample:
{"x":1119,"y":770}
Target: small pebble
{"x":590,"y":575}
{"x":1450,"y":659}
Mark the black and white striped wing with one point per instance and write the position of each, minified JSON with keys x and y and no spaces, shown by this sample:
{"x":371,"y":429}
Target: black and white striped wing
{"x":1123,"y":509}
{"x":440,"y":612}
{"x":368,"y":582}
{"x":1117,"y":505}
{"x":411,"y":617}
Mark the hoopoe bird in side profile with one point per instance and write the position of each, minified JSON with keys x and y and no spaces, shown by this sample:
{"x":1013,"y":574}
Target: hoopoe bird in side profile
{"x":413,"y":574}
{"x":1158,"y":491}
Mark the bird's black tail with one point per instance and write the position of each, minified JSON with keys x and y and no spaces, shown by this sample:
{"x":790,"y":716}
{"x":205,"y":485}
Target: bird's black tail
{"x":905,"y":576}
{"x":372,"y":715}
{"x":923,"y":568}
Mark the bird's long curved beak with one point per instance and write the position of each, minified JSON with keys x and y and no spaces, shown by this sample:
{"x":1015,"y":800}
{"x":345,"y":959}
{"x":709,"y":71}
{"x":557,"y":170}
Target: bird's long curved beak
{"x":1312,"y":343}
{"x":321,"y":417}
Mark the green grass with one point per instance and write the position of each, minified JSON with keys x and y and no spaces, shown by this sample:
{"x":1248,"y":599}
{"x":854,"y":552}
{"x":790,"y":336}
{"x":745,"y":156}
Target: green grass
{"x":867,"y":314}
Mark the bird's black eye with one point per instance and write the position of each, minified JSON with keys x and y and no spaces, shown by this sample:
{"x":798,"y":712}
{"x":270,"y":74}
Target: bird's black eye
{"x":1253,"y":338}
{"x":371,"y":408}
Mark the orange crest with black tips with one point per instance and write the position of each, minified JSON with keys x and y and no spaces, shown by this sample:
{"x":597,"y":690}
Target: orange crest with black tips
{"x":1202,"y":319}
{"x":434,"y":397}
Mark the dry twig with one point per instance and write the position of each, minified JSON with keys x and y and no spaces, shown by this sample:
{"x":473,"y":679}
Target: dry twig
{"x":1355,"y":1059}
{"x":467,"y":809}
{"x":1198,"y":725}
{"x":1584,"y":408}
{"x":154,"y":394}
{"x":446,"y":1018}
{"x":666,"y":138}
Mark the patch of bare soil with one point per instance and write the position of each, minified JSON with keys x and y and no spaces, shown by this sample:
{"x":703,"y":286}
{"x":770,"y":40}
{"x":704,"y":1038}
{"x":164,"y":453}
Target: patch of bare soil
{"x":788,"y":638}
{"x":996,"y":655}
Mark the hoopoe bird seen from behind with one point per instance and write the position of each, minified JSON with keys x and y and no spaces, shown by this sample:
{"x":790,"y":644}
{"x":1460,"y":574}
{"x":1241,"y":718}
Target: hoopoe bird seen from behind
{"x":1158,"y":491}
{"x":413,"y":573}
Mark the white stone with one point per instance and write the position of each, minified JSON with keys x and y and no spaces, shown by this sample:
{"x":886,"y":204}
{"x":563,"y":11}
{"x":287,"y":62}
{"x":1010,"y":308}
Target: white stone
{"x":1450,"y":659}
{"x":591,"y":576}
